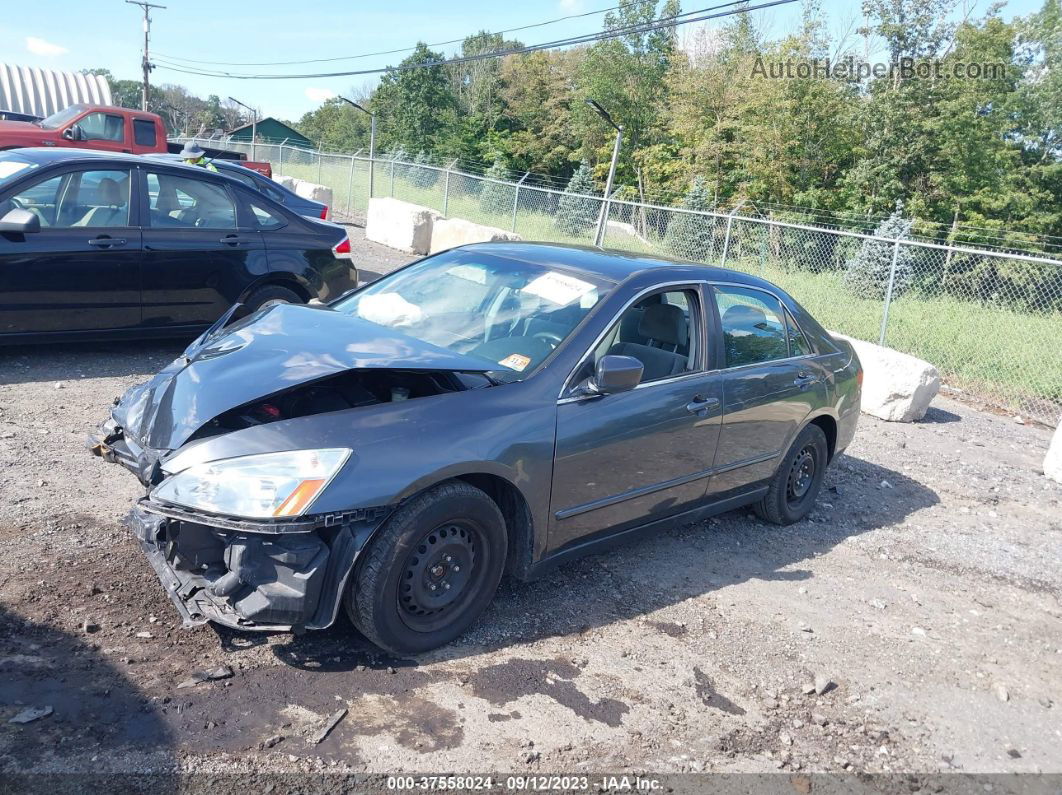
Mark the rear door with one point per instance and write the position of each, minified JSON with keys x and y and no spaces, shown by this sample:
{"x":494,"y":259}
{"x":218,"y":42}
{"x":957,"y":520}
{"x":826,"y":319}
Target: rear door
{"x":81,"y":272}
{"x":198,"y":256}
{"x":770,"y":385}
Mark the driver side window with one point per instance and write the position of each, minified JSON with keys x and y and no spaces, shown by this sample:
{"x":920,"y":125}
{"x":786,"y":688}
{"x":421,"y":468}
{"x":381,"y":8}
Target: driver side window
{"x":102,"y":127}
{"x":660,"y":331}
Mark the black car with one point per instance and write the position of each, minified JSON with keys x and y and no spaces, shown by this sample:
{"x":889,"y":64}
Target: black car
{"x":95,"y":244}
{"x":494,"y":408}
{"x":259,"y":182}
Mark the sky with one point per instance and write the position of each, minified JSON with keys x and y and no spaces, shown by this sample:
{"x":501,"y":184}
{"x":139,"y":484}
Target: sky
{"x":74,"y":34}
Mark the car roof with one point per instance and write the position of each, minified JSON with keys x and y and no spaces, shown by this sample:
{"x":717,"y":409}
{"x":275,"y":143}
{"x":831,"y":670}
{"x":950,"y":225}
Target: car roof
{"x":46,"y":155}
{"x":615,"y":266}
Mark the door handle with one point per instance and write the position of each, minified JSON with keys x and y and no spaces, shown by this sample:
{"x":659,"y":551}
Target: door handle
{"x":234,"y":240}
{"x":107,"y":242}
{"x":805,"y":379}
{"x":701,"y":405}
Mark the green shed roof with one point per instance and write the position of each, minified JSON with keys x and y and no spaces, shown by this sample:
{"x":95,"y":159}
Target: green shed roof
{"x":272,"y":131}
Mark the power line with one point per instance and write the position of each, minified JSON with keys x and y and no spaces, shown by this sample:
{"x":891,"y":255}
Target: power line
{"x":698,"y":16}
{"x":389,"y":52}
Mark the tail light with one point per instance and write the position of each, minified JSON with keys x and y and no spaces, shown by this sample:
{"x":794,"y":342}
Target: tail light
{"x":324,"y":213}
{"x":859,"y":372}
{"x":342,"y":248}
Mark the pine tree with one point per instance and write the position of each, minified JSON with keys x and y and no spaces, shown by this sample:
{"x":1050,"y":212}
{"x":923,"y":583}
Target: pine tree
{"x":690,"y":236}
{"x":576,"y":214}
{"x":424,"y":177}
{"x":496,"y":198}
{"x":868,"y":273}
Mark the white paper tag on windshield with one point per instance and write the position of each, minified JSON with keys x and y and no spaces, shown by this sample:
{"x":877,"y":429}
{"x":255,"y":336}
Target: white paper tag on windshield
{"x":558,"y":288}
{"x":389,"y":309}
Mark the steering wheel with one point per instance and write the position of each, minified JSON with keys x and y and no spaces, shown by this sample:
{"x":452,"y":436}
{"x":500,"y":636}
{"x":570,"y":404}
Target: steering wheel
{"x":16,"y":203}
{"x":551,"y":338}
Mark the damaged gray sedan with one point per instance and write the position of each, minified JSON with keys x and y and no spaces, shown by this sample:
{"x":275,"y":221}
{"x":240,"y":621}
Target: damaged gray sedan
{"x":498,"y":408}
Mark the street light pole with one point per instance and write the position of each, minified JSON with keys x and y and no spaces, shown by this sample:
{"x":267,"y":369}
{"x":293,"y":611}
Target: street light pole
{"x":603,"y":219}
{"x":254,"y":126}
{"x":372,"y":139}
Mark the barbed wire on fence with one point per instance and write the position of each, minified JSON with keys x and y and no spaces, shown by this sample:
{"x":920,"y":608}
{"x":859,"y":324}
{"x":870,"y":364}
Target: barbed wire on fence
{"x":989,"y":318}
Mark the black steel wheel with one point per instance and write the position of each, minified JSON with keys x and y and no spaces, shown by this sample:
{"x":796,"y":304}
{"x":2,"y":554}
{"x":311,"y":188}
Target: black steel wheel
{"x":796,"y":483}
{"x":430,"y":570}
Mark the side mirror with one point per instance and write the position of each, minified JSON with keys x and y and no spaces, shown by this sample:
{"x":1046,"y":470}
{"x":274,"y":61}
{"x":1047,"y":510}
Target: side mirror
{"x":616,"y":374}
{"x":74,"y":133}
{"x":20,"y":222}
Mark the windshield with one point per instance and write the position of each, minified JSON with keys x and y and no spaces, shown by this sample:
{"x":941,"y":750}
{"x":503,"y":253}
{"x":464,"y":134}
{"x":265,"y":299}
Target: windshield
{"x":61,"y":118}
{"x":12,"y":167}
{"x":511,"y":314}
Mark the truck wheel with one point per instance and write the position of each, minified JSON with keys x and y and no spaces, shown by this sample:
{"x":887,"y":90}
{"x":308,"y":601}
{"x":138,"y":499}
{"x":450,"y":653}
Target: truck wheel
{"x":430,"y":571}
{"x":270,"y":295}
{"x":796,"y":484}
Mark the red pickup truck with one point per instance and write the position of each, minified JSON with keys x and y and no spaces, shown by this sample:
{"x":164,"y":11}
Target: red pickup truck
{"x":105,"y":127}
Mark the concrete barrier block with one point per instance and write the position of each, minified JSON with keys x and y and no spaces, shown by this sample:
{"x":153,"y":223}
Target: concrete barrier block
{"x":401,"y":225}
{"x":897,"y":387}
{"x":1053,"y":459}
{"x":449,"y":233}
{"x":287,"y":182}
{"x":314,"y":192}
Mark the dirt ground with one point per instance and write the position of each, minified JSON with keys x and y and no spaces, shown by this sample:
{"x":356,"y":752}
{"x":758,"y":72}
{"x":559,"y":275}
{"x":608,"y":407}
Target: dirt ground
{"x":923,"y":593}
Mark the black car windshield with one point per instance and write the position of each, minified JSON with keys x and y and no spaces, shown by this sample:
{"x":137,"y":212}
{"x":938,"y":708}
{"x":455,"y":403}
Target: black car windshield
{"x":13,"y":166}
{"x":509,"y":313}
{"x":61,"y":118}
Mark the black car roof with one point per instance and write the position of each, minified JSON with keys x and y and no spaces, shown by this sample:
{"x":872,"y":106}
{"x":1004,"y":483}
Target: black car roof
{"x":616,"y":266}
{"x":50,"y":154}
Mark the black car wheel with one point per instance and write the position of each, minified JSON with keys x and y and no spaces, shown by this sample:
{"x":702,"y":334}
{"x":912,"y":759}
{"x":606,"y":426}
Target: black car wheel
{"x":430,"y":571}
{"x":796,"y":484}
{"x":270,"y":295}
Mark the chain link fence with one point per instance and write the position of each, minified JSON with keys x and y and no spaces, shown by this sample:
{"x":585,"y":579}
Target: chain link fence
{"x":989,"y":320}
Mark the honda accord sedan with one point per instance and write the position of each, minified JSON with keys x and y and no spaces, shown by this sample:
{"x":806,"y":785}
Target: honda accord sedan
{"x":497,"y":408}
{"x":97,"y":244}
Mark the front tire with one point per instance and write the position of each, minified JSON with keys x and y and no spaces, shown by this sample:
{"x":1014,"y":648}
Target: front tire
{"x":430,"y":571}
{"x":796,"y":484}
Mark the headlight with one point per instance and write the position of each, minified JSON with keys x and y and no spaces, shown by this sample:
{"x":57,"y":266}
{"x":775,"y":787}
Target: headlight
{"x":255,"y":486}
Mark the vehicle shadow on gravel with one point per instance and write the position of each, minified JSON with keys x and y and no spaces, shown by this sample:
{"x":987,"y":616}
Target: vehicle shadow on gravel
{"x":75,"y":360}
{"x":94,"y":712}
{"x":646,"y":575}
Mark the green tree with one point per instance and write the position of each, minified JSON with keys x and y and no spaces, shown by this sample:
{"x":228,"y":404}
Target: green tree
{"x":494,"y":197}
{"x":576,"y":211}
{"x":691,"y":236}
{"x":415,"y":107}
{"x":868,"y":273}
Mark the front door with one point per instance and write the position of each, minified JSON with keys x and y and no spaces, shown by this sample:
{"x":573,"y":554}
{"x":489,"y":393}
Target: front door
{"x":771,"y":383}
{"x":197,"y":259}
{"x":630,"y":458}
{"x":81,"y":272}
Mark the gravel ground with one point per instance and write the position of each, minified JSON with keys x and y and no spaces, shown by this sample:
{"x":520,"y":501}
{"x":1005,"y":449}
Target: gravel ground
{"x":922,"y":594}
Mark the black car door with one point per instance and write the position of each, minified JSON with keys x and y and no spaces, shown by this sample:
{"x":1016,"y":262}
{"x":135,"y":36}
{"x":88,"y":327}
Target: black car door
{"x":771,"y":383}
{"x":198,"y":257}
{"x":81,"y":271}
{"x":632,"y":457}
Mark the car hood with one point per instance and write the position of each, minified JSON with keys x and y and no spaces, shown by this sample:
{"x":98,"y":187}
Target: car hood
{"x":266,"y":353}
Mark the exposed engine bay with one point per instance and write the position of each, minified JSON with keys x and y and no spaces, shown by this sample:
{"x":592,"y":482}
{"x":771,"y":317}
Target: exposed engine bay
{"x":353,"y":389}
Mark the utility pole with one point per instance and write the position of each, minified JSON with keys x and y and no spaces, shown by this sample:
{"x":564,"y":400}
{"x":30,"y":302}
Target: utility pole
{"x":372,"y":138}
{"x":147,"y":61}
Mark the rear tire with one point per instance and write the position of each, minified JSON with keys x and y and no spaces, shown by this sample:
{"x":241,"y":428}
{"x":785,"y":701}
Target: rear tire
{"x":796,"y":484}
{"x":270,"y":295}
{"x":430,"y":571}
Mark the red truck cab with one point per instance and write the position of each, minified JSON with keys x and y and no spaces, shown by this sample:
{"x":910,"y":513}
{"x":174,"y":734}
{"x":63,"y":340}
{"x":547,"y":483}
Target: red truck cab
{"x":90,"y":127}
{"x":105,"y":127}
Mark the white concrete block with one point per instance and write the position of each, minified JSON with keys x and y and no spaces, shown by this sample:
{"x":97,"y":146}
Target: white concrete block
{"x":400,"y":225}
{"x":449,"y":233}
{"x":897,"y":387}
{"x":1053,"y":459}
{"x":314,"y":192}
{"x":287,"y":182}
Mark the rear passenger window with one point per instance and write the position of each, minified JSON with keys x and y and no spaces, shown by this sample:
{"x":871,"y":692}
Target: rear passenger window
{"x":183,"y":202}
{"x":265,"y":218}
{"x":754,"y":326}
{"x":144,"y":132}
{"x":660,"y":331}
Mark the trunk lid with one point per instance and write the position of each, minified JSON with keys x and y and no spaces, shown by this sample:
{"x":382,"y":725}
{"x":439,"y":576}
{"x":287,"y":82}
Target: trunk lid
{"x":273,"y":350}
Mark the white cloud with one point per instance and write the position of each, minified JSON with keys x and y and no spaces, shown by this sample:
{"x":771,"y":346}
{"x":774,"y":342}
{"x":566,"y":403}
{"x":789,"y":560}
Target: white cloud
{"x":319,"y":94}
{"x":42,"y":47}
{"x":571,"y":6}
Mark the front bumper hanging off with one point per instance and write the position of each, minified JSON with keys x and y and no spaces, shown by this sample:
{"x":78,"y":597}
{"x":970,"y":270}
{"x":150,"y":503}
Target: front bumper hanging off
{"x":249,"y":579}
